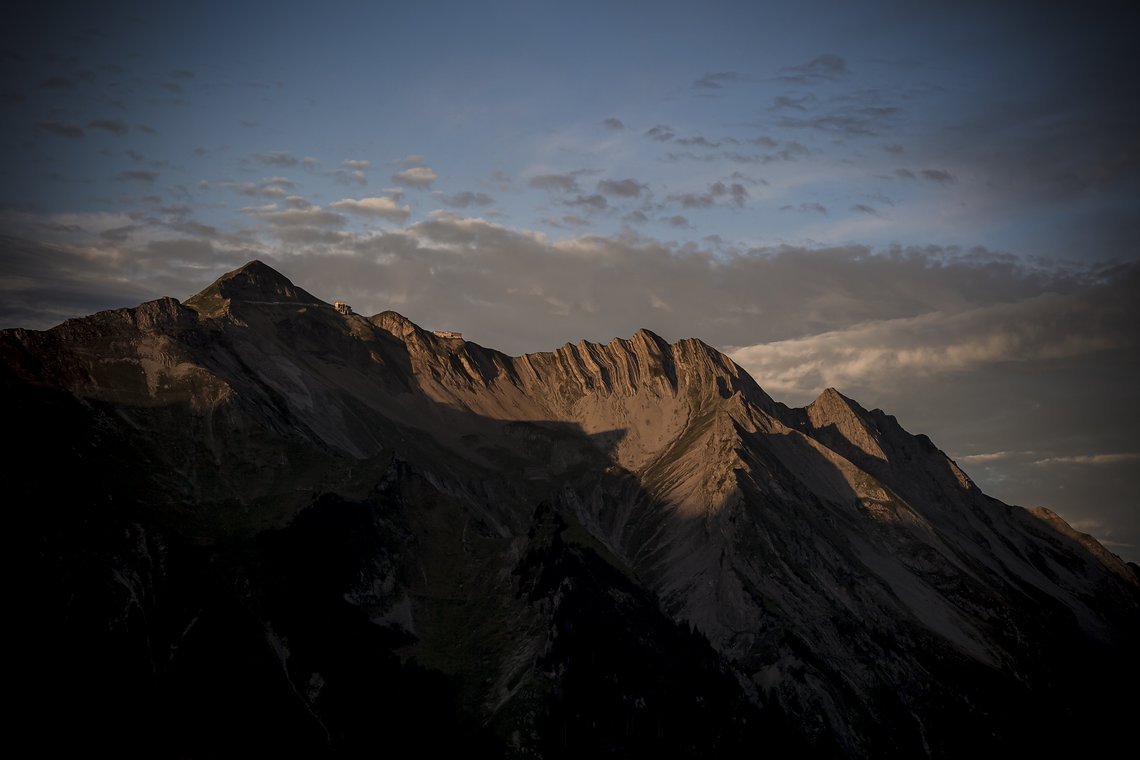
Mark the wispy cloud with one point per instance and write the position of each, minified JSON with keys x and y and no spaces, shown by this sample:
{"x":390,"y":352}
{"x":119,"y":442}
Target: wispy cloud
{"x":715,"y":80}
{"x":114,"y":126}
{"x":848,"y":121}
{"x":467,"y":198}
{"x":277,"y":158}
{"x":822,"y":68}
{"x":812,"y":207}
{"x":591,"y":203}
{"x":1091,"y":459}
{"x":270,"y":187}
{"x":298,"y":213}
{"x":144,"y":177}
{"x":70,"y":131}
{"x":734,"y":194}
{"x":560,"y":183}
{"x":991,"y":456}
{"x":1046,"y":327}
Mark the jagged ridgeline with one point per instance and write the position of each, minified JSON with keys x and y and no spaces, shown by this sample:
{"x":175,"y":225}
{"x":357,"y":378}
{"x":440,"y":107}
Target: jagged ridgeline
{"x":253,"y":522}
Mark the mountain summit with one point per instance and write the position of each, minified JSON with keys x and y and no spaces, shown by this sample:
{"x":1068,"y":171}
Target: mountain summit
{"x":255,"y":283}
{"x":252,"y":522}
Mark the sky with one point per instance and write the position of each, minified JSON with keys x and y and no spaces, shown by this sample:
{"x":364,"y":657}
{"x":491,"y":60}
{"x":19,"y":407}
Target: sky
{"x":932,"y":207}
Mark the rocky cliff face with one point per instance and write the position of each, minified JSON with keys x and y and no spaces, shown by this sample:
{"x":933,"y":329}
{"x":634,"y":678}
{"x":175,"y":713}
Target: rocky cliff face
{"x":250,"y":515}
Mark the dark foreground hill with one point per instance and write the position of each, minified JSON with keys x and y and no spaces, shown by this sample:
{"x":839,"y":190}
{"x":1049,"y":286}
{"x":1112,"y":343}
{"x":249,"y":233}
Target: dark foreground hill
{"x":251,"y":523}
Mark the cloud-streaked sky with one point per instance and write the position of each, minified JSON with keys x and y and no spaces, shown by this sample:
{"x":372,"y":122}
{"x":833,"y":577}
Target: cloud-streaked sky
{"x":930,"y":206}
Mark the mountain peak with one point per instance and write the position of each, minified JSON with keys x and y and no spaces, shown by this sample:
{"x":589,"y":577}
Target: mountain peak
{"x":841,"y":424}
{"x":647,"y":334}
{"x":255,"y":282}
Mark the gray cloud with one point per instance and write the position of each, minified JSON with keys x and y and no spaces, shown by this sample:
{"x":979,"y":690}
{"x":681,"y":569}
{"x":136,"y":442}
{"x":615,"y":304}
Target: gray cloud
{"x":144,"y":177}
{"x":467,"y":198}
{"x":801,"y":103}
{"x":660,"y":133}
{"x":690,"y":156}
{"x":822,"y":68}
{"x":694,"y":200}
{"x":700,"y":141}
{"x":790,"y":151}
{"x":298,"y":215}
{"x":591,"y":203}
{"x":813,"y":207}
{"x":940,"y":176}
{"x":863,"y":208}
{"x":559,"y":183}
{"x":715,"y":80}
{"x":114,"y":126}
{"x":622,"y":188}
{"x":271,"y":187}
{"x":569,"y":220}
{"x":358,"y":177}
{"x":277,"y":158}
{"x":734,"y":194}
{"x":69,"y":131}
{"x":849,"y":121}
{"x":501,"y":179}
{"x":612,"y":123}
{"x":936,"y":175}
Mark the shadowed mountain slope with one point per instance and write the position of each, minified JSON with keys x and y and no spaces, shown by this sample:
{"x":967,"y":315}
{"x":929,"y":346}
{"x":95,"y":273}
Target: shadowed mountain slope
{"x":252,"y":521}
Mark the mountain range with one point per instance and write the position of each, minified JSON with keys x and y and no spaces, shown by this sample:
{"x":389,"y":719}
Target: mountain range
{"x":256,"y":522}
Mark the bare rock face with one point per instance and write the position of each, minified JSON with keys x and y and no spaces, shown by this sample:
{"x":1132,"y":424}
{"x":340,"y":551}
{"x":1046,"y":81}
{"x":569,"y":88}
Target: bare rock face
{"x":253,"y":515}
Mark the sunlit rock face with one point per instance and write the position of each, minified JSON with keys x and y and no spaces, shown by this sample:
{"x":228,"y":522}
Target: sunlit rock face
{"x":254,"y":521}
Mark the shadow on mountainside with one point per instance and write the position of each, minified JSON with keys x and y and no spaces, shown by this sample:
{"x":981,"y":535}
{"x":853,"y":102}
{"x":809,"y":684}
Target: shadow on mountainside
{"x":340,"y":605}
{"x":284,"y":570}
